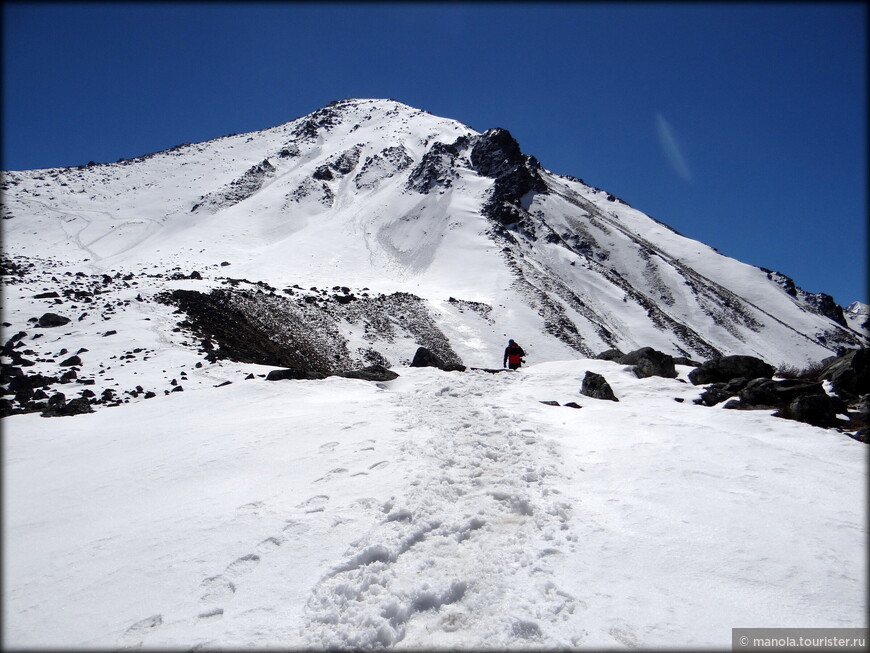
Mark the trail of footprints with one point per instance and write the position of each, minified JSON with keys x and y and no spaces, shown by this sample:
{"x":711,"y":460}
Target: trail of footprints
{"x":215,"y":592}
{"x":479,"y":515}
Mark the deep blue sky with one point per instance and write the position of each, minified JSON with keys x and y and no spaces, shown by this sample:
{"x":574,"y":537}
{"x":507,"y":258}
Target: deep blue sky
{"x":740,"y":125}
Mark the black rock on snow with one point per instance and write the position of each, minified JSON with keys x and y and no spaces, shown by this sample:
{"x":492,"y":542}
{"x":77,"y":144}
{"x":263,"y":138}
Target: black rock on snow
{"x":650,"y":362}
{"x":730,"y":367}
{"x":595,"y":386}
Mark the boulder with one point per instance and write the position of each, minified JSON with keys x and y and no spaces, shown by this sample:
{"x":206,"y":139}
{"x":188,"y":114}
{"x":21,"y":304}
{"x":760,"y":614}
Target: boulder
{"x":849,"y":372}
{"x":49,"y":320}
{"x":769,"y":393}
{"x":726,"y":368}
{"x":295,"y":374}
{"x":72,"y":360}
{"x":595,"y":386}
{"x":610,"y":355}
{"x":682,"y":360}
{"x":372,"y":373}
{"x":650,"y":362}
{"x":425,"y":358}
{"x":817,"y":409}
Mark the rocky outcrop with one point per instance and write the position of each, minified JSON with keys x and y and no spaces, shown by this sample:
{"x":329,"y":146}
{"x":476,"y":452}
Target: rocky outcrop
{"x":496,"y":154}
{"x":730,"y":367}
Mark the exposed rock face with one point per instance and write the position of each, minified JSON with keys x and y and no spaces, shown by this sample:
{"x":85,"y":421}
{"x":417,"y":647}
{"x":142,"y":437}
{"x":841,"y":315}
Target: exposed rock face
{"x":496,"y":154}
{"x":650,"y":362}
{"x":730,"y":367}
{"x":595,"y":386}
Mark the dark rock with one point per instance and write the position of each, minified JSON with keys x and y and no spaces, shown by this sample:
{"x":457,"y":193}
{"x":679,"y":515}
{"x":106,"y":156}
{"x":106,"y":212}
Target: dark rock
{"x":861,"y":435}
{"x":425,"y":358}
{"x":49,"y":320}
{"x":371,"y":373}
{"x":294,"y":374}
{"x":650,"y":362}
{"x":550,"y":403}
{"x":769,"y":393}
{"x":46,"y":295}
{"x":849,"y":373}
{"x":31,"y":381}
{"x":109,"y":333}
{"x":682,"y":360}
{"x":69,"y":362}
{"x":610,"y":355}
{"x":730,"y":367}
{"x":816,"y":409}
{"x":714,"y":394}
{"x":69,"y":376}
{"x":573,"y":404}
{"x":595,"y":386}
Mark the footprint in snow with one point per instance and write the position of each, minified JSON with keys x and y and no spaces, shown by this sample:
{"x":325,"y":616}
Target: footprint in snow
{"x":315,"y":503}
{"x":216,"y":588}
{"x":331,"y":474}
{"x":211,"y":615}
{"x":135,"y":635}
{"x":269,"y":544}
{"x":243,"y":565}
{"x":328,"y":447}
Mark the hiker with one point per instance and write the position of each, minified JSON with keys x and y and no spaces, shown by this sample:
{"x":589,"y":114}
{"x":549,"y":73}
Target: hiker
{"x":513,"y":355}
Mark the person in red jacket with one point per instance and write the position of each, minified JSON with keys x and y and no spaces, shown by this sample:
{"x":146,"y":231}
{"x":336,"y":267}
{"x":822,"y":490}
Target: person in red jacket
{"x":513,"y":355}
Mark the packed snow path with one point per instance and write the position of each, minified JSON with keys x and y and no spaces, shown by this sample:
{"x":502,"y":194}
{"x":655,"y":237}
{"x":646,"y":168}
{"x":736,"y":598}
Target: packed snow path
{"x":476,"y":524}
{"x":439,"y":510}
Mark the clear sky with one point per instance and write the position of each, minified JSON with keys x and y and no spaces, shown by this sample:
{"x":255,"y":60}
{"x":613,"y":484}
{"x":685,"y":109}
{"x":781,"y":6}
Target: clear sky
{"x":740,"y":125}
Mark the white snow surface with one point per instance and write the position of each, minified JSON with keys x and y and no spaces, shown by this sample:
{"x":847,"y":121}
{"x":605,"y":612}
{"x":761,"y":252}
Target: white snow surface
{"x":441,"y":509}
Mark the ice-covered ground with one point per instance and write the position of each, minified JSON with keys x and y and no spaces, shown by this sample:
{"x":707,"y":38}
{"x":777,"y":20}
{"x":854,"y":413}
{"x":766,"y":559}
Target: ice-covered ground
{"x":437,"y":510}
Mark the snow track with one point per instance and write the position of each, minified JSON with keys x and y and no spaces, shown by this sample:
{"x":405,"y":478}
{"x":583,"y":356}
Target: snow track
{"x":458,"y":551}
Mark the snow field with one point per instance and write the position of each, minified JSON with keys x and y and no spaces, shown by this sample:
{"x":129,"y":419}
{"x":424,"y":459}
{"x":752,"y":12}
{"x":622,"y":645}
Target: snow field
{"x":436,"y":510}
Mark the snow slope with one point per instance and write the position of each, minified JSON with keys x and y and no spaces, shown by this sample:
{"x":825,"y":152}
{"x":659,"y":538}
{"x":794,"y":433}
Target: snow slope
{"x":437,"y":510}
{"x":375,"y":194}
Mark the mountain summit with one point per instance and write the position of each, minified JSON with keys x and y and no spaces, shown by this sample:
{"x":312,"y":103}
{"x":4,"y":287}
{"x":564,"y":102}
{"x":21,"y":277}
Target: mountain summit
{"x":428,"y":233}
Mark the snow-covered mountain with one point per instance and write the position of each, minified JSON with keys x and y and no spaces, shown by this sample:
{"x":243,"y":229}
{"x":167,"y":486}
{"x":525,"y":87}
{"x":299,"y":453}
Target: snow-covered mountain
{"x":387,"y":201}
{"x":180,"y":500}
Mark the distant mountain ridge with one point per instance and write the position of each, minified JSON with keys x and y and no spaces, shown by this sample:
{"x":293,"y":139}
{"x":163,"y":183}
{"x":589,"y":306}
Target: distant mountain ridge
{"x":374,"y":195}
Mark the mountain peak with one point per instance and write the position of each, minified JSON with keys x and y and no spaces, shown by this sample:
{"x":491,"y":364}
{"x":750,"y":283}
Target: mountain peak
{"x":376,"y":194}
